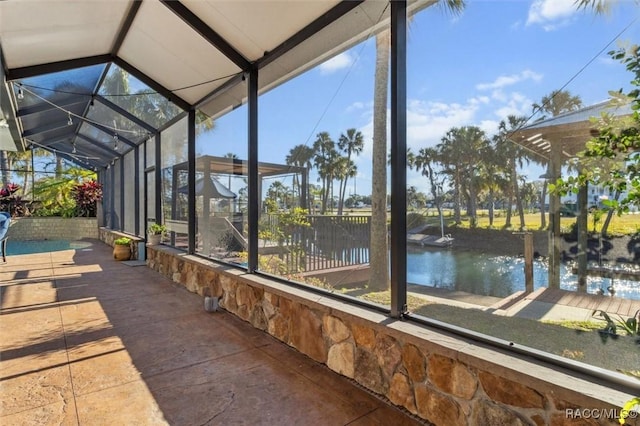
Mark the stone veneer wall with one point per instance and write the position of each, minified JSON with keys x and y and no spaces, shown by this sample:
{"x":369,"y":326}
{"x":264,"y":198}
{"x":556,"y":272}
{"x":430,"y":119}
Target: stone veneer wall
{"x":442,"y":379}
{"x":53,"y":228}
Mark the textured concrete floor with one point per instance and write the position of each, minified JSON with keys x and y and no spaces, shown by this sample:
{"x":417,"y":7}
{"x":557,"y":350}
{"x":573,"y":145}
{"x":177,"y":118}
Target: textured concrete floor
{"x":87,"y":340}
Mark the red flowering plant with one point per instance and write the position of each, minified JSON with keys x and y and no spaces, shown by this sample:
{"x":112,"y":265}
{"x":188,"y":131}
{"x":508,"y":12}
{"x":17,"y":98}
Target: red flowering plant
{"x":9,"y":202}
{"x":87,"y":194}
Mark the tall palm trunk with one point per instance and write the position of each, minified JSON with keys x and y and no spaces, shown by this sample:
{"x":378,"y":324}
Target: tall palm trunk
{"x":5,"y":167}
{"x":490,"y":201}
{"x":472,"y":213}
{"x":378,"y":251}
{"x":543,"y":206}
{"x":519,"y":204}
{"x":457,"y":214}
{"x":512,"y":188}
{"x":58,"y":167}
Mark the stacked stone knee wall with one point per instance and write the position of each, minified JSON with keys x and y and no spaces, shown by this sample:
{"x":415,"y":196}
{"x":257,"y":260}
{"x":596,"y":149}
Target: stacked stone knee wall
{"x":440,"y":378}
{"x":53,"y":228}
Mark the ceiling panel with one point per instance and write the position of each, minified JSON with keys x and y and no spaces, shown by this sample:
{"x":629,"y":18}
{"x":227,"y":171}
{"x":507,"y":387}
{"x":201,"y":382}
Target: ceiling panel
{"x":249,"y":25}
{"x":355,"y":26}
{"x":166,"y":49}
{"x":40,"y":32}
{"x":364,"y":21}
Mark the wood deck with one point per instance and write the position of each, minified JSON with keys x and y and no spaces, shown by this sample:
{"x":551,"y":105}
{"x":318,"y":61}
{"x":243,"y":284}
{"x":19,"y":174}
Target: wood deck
{"x":611,"y":305}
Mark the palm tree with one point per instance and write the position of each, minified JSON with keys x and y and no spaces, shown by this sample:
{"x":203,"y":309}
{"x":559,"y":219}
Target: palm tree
{"x":425,"y":162}
{"x":512,"y":156}
{"x":350,"y":143}
{"x":299,"y":156}
{"x":379,"y":250}
{"x":458,"y":153}
{"x":325,"y":160}
{"x":490,"y":177}
{"x":600,"y":7}
{"x":342,"y":170}
{"x":278,"y":192}
{"x":557,"y":102}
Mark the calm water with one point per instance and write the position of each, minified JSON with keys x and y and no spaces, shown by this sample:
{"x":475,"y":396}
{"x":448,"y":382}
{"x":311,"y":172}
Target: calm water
{"x":493,"y":275}
{"x":30,"y":247}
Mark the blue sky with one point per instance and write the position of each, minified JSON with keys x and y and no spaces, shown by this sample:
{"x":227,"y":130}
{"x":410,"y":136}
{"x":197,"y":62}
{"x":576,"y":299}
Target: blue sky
{"x":494,"y":59}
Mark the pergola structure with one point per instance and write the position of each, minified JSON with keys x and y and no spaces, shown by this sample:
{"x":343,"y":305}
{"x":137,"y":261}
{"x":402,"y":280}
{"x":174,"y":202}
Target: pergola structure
{"x":556,"y":140}
{"x":209,"y":188}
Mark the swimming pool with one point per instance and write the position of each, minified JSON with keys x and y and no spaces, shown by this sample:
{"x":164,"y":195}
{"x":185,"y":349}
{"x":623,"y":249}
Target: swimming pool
{"x":15,"y":247}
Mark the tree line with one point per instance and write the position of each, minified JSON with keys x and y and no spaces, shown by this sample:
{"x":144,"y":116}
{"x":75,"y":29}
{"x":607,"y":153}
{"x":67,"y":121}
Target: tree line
{"x":468,"y":168}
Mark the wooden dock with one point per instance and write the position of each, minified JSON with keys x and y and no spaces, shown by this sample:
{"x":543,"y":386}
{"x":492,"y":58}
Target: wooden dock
{"x":592,"y":302}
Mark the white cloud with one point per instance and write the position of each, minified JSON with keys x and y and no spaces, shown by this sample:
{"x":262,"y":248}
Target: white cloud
{"x":608,"y":61}
{"x":427,"y":122}
{"x":509,"y":80}
{"x":489,"y":127}
{"x":356,"y":106}
{"x":517,"y":104}
{"x":343,"y":60}
{"x":551,"y":13}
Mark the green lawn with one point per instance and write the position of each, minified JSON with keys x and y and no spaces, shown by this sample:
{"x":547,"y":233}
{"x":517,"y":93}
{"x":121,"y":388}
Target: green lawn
{"x":626,"y":224}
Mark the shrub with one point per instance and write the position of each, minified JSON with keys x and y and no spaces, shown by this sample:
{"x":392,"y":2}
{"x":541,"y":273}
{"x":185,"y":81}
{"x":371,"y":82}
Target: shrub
{"x":12,"y":203}
{"x":86,"y":195}
{"x":122,"y":241}
{"x":156,"y":229}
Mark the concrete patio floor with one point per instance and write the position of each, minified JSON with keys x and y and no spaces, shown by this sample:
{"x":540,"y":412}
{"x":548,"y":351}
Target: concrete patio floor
{"x":87,"y":340}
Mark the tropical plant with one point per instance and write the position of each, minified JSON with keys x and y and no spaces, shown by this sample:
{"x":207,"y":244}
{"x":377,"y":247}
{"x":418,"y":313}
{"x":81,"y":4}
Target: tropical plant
{"x":630,"y":325}
{"x":57,"y":194}
{"x":10,"y":202}
{"x":86,"y":195}
{"x":156,"y":229}
{"x":122,"y":241}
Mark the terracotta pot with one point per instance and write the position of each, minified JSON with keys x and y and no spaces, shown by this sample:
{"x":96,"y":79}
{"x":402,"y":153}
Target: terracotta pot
{"x":121,"y":252}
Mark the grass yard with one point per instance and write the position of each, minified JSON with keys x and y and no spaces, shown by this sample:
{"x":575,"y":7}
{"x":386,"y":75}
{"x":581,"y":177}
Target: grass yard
{"x":626,"y":224}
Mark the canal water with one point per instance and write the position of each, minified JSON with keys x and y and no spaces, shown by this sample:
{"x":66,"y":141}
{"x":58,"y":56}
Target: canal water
{"x":499,"y":276}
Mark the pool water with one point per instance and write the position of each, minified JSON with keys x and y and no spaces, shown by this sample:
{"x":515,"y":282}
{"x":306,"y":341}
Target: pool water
{"x":42,"y":246}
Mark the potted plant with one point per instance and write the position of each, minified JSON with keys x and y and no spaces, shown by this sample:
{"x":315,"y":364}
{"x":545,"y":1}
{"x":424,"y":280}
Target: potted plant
{"x":122,"y":248}
{"x":155,"y":232}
